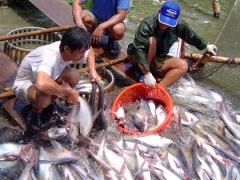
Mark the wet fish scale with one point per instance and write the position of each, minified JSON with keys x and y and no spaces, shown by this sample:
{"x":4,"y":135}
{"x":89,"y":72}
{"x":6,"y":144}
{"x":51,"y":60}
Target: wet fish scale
{"x":154,"y":141}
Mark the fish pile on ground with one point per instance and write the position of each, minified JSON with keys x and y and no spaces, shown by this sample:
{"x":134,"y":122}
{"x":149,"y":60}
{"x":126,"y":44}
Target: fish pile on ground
{"x":201,"y":142}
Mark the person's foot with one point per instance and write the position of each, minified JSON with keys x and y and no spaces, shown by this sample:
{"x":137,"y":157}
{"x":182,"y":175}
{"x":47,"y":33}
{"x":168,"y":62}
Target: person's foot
{"x":113,"y":47}
{"x":57,"y":112}
{"x":34,"y":123}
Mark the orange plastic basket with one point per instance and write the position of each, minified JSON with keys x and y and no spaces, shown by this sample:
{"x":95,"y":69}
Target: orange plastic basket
{"x":136,"y":91}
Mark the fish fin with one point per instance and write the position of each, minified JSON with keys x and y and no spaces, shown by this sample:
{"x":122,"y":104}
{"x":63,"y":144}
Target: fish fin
{"x":180,"y":135}
{"x":193,"y":126}
{"x":122,"y":170}
{"x":164,"y":158}
{"x":92,"y":175}
{"x":96,"y":115}
{"x":102,"y":144}
{"x":183,"y":139}
{"x":141,"y":170}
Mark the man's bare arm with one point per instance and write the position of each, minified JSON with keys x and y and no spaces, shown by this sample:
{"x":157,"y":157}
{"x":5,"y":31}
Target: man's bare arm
{"x":91,"y":65}
{"x":117,"y":18}
{"x":77,"y":12}
{"x":46,"y":85}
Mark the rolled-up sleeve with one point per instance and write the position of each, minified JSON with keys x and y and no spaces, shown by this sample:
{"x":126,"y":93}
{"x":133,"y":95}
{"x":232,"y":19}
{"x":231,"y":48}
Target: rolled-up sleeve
{"x":190,"y":36}
{"x":141,"y":44}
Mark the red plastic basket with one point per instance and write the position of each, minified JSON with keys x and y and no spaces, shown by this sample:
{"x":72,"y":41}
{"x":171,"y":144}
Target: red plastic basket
{"x":136,"y":91}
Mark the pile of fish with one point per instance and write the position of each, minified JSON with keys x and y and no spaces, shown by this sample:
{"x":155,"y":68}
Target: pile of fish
{"x":210,"y":127}
{"x":143,"y":115}
{"x":201,"y":142}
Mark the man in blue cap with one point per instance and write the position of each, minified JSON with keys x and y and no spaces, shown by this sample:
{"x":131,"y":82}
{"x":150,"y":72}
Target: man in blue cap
{"x":153,"y":39}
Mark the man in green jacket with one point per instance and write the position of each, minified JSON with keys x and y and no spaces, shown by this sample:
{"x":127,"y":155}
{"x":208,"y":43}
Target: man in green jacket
{"x":154,"y":37}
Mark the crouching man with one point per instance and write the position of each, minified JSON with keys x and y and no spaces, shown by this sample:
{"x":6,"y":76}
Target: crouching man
{"x":41,"y":74}
{"x":154,"y":37}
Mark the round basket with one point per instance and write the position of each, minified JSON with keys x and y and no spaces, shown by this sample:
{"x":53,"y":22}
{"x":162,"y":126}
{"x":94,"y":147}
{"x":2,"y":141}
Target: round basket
{"x":136,"y":91}
{"x":18,"y":48}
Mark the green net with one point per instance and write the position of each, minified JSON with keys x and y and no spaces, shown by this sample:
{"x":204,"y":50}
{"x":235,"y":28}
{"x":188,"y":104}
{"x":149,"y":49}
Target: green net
{"x":224,"y":77}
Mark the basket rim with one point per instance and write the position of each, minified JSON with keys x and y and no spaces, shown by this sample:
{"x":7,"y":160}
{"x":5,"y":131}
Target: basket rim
{"x":24,"y":28}
{"x":16,"y":31}
{"x":157,"y":128}
{"x":109,"y":85}
{"x":13,"y":43}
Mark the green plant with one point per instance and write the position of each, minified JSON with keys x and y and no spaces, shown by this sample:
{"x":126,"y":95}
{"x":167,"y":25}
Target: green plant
{"x":69,"y":1}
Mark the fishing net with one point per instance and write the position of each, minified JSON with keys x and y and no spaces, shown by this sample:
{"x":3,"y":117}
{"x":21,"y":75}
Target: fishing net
{"x":224,"y":77}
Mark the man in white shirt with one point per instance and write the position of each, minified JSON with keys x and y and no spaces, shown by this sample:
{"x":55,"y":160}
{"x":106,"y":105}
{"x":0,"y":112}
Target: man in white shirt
{"x":41,"y":74}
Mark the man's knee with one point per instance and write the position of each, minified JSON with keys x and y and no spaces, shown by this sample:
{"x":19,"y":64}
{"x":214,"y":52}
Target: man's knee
{"x":179,"y":64}
{"x":38,"y":99}
{"x":88,"y":22}
{"x":131,"y":59}
{"x":184,"y":66}
{"x":44,"y":101}
{"x":70,"y":76}
{"x":118,"y":31}
{"x":130,"y":55}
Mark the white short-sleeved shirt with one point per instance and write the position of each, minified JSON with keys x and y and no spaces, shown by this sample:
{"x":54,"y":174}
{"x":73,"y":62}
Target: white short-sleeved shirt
{"x":47,"y":59}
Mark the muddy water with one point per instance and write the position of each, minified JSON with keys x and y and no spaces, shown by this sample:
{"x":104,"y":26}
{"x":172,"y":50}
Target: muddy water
{"x":12,"y":19}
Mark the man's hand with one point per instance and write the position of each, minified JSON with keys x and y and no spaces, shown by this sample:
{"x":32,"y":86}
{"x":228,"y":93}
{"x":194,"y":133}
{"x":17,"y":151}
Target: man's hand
{"x":149,"y":80}
{"x":95,"y":76}
{"x":72,"y":96}
{"x":97,"y":34}
{"x":212,"y":49}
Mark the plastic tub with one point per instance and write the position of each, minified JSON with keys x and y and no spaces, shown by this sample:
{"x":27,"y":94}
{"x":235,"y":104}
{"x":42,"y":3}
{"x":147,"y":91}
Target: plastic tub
{"x":136,"y":91}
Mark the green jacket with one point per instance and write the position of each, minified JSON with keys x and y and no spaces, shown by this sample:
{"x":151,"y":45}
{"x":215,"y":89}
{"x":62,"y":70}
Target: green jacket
{"x":149,"y":27}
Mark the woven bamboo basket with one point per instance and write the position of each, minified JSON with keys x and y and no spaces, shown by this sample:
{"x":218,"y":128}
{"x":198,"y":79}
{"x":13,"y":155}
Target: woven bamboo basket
{"x":18,"y":48}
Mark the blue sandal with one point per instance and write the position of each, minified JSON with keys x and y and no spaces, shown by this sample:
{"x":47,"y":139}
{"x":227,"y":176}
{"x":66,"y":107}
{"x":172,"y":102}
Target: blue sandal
{"x":113,"y":48}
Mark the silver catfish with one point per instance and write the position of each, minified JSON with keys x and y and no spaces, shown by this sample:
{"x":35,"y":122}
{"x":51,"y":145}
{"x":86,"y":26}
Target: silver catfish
{"x":80,"y":119}
{"x":226,"y":117}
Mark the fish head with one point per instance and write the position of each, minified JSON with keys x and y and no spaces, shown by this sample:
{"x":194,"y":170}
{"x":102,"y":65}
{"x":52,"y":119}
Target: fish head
{"x":140,"y":121}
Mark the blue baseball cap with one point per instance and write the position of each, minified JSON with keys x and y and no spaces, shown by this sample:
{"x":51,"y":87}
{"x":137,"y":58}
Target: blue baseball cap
{"x":169,"y":13}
